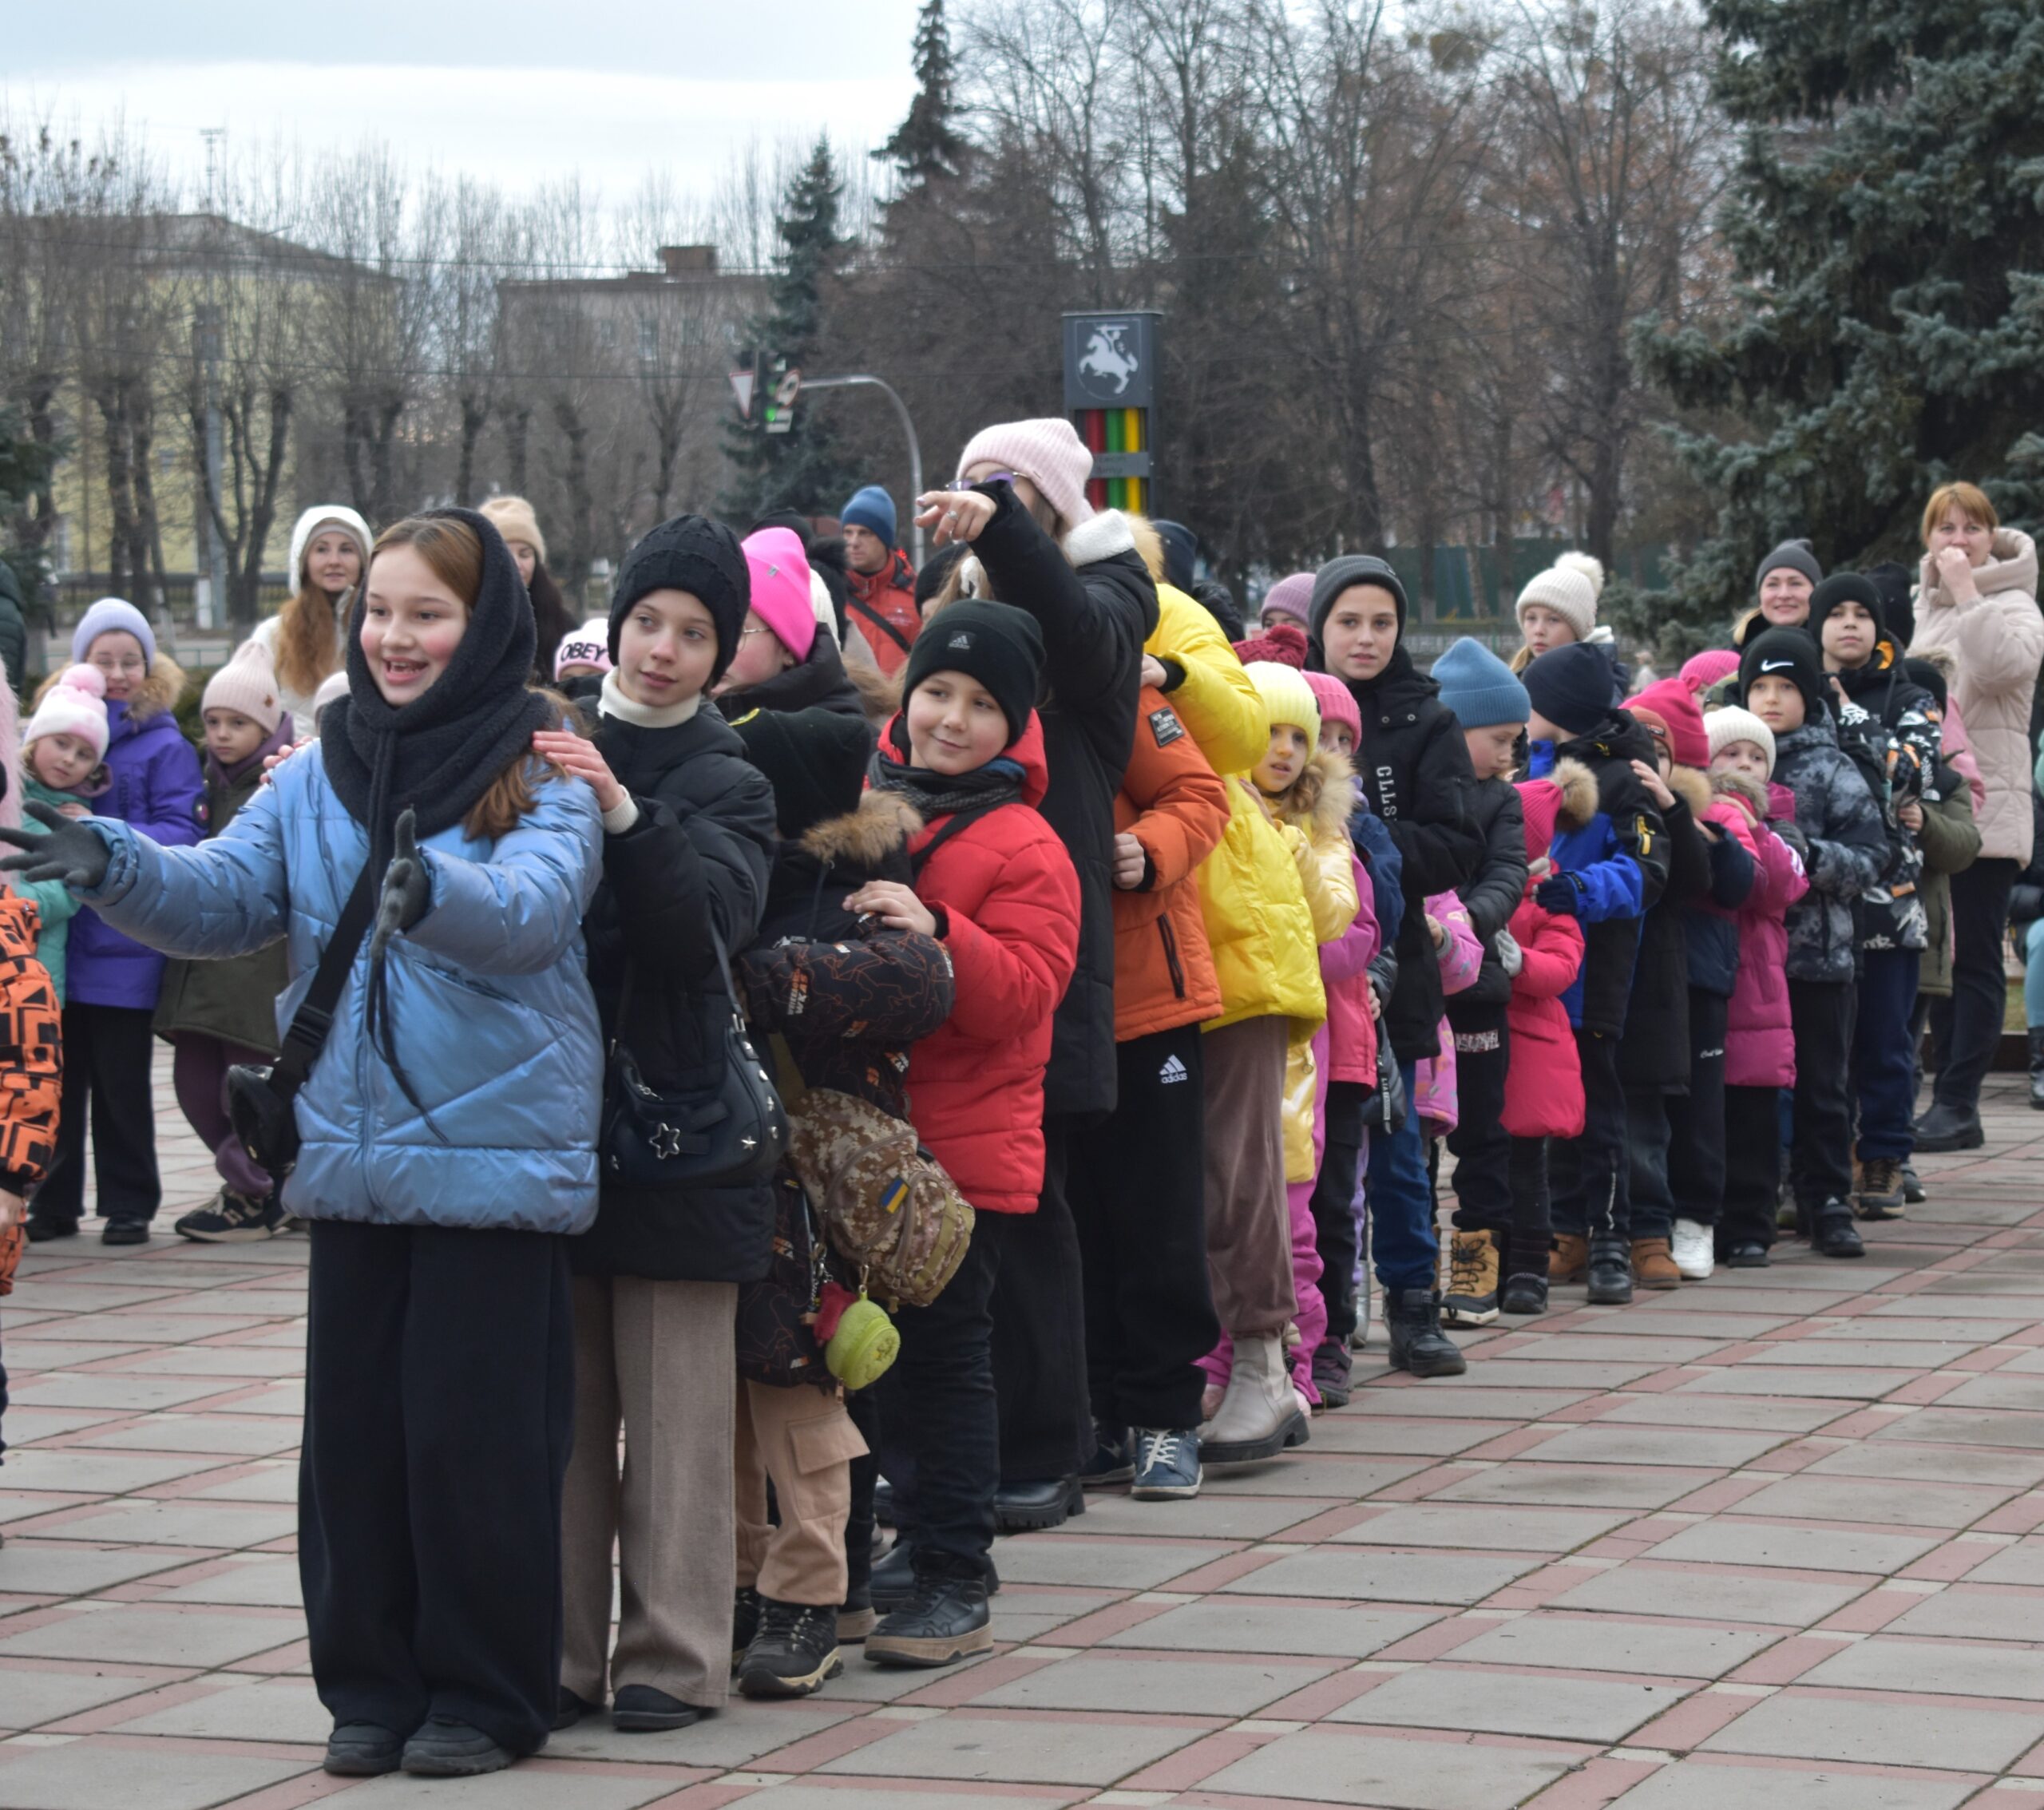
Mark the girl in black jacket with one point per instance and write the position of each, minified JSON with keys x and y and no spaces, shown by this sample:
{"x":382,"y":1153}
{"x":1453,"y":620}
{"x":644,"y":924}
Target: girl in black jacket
{"x":688,"y":828}
{"x":1415,"y":771}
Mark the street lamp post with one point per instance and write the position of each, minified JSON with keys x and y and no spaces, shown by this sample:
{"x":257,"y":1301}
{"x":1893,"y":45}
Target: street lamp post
{"x":907,"y":428}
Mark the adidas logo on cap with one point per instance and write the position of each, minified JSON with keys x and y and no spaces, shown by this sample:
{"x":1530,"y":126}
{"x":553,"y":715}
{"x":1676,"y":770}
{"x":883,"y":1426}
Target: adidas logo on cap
{"x":1173,"y":1070}
{"x":962,"y":638}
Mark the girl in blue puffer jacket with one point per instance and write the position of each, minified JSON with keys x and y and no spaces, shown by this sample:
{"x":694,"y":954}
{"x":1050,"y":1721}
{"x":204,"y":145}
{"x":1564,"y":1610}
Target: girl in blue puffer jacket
{"x":439,"y":1377}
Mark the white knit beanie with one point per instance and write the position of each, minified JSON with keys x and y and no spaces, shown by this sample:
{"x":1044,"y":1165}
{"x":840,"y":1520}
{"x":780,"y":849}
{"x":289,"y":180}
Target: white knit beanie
{"x":588,"y":645}
{"x":76,"y":705}
{"x":1570,"y":588}
{"x":334,"y":686}
{"x":1047,"y":452}
{"x":325,"y":515}
{"x":1733,"y":724}
{"x":247,"y":684}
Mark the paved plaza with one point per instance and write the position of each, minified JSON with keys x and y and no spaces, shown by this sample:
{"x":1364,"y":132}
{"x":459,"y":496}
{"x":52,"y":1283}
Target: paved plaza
{"x":1768,"y":1541}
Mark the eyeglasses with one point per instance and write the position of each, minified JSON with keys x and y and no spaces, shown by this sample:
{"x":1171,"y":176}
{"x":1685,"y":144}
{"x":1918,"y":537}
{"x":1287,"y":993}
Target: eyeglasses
{"x":745,"y":633}
{"x":974,"y":483}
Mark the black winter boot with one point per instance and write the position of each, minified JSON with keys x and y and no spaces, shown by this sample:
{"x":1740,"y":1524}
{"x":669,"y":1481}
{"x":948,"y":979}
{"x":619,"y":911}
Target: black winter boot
{"x":1413,"y":1317}
{"x":1610,"y":1273}
{"x":943,"y":1620}
{"x":2036,"y":1067}
{"x":793,"y":1653}
{"x":1832,"y":1232}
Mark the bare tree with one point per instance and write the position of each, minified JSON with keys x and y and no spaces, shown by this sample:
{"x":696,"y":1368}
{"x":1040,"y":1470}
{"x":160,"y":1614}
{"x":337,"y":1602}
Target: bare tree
{"x":478,"y":236}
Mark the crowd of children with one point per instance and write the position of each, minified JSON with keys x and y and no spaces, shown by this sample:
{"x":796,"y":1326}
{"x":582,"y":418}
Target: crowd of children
{"x":1114,"y":992}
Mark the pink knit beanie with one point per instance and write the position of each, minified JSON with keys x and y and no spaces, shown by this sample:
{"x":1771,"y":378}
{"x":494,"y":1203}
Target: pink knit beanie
{"x":1712,"y":666}
{"x":247,"y":684}
{"x":1292,"y":596}
{"x":780,"y":588}
{"x":1338,"y":703}
{"x":76,"y":705}
{"x":1047,"y":452}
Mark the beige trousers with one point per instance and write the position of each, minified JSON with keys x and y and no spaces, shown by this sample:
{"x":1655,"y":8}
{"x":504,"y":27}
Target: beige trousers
{"x":658,"y":1359}
{"x":806,"y":1442}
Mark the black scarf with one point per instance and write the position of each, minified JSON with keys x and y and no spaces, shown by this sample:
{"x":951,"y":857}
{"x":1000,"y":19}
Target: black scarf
{"x":941,"y":794}
{"x":439,"y":753}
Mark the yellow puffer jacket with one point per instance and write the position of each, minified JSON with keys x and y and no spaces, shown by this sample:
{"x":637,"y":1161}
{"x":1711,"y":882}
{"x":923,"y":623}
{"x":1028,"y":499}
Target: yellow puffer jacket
{"x":1316,"y":810}
{"x":1218,"y":701}
{"x":1272,"y":896}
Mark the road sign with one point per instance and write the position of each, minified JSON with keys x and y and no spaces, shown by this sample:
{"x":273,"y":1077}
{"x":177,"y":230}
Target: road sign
{"x":781,"y":410}
{"x":1111,"y":360}
{"x":742,"y":388}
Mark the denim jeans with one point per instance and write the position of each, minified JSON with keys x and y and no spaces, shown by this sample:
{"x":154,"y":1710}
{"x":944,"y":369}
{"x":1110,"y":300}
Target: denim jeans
{"x":1883,"y":1068}
{"x":1407,"y":1248}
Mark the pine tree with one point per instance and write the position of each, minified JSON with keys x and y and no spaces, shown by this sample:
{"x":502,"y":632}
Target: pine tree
{"x":803,"y":469}
{"x":1887,"y":222}
{"x":927,"y":147}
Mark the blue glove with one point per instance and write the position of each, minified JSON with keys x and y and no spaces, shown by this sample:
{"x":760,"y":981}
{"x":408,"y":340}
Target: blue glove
{"x":1561,"y":893}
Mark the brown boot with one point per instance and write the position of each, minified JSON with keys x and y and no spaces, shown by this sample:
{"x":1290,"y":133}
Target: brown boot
{"x":1653,"y":1264}
{"x":1569,"y":1259}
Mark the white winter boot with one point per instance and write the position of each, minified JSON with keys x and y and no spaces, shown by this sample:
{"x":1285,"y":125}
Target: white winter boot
{"x":1260,"y":1415}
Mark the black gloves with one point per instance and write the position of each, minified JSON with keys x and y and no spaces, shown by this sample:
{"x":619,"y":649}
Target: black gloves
{"x":70,"y":853}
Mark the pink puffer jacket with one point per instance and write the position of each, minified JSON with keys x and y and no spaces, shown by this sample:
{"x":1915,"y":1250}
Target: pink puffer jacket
{"x":1435,"y":1097}
{"x":1760,"y":1045}
{"x":1345,"y":973}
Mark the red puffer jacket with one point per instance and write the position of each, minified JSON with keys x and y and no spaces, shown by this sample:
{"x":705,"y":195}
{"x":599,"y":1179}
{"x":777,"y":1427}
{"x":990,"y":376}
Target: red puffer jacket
{"x":1544,"y":1086}
{"x":882,"y":607}
{"x":1759,"y":1045}
{"x":1006,"y":899}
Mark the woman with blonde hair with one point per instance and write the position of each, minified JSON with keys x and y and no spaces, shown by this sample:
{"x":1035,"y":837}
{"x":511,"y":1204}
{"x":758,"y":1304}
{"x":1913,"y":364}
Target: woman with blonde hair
{"x":552,"y":621}
{"x":307,"y":639}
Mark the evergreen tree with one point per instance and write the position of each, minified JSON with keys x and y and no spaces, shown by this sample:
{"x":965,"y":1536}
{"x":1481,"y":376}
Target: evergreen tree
{"x":927,"y":147}
{"x":1886,"y":224}
{"x":804,"y":470}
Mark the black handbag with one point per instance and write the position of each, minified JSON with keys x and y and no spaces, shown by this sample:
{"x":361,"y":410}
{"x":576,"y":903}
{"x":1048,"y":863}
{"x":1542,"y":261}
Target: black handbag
{"x":725,"y":1135}
{"x":261,"y":1097}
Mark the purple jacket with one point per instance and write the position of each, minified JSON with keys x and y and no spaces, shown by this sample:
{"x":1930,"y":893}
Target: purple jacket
{"x":155,"y":785}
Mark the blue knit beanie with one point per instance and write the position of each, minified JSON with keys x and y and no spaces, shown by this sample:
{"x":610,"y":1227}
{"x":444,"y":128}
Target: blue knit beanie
{"x":1478,"y":686}
{"x":873,"y":509}
{"x":1571,"y":686}
{"x":112,"y":615}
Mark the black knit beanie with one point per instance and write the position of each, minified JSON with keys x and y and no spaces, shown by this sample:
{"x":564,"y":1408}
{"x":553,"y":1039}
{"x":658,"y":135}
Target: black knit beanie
{"x":1930,"y":678}
{"x":1784,"y":653}
{"x":1337,"y":575}
{"x":1571,"y":686}
{"x":690,"y":553}
{"x":814,"y":759}
{"x":998,"y":645}
{"x":1896,"y":584}
{"x":931,"y":575}
{"x":1843,"y":587}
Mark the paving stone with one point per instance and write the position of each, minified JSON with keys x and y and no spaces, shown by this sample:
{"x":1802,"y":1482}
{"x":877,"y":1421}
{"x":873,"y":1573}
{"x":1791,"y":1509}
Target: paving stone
{"x":1757,"y":1413}
{"x":1800,"y":1725}
{"x":1219,"y":1625}
{"x":1385,"y":1576}
{"x":1597,"y":1444}
{"x":1486,"y":1529}
{"x":134,"y":1394}
{"x":1862,"y":1384}
{"x":1598,"y":1644}
{"x":1212,"y":1514}
{"x":70,"y":1471}
{"x":1807,"y":1549}
{"x":1908,"y":1329}
{"x":26,"y":1424}
{"x":1702,"y":1784}
{"x":1998,"y":1391}
{"x":2022,"y":1563}
{"x":227,"y":1526}
{"x":1369,"y":1432}
{"x":1349,"y":1479}
{"x":1617,"y":1346}
{"x":1189,"y":1687}
{"x":522,"y":1788}
{"x":1947,"y":1669}
{"x":138,"y":1327}
{"x":139,"y":1635}
{"x":1885,"y":1499}
{"x":30,"y":1695}
{"x":1045,"y":1558}
{"x":90,"y":1775}
{"x":34,"y":1568}
{"x":1342,"y":1767}
{"x":245,"y":1436}
{"x":1749,"y":1294}
{"x":1924,"y":1305}
{"x":234,"y":1361}
{"x":1711,"y":1591}
{"x":1968,"y":1426}
{"x":1587,"y":1486}
{"x":1511,"y":1703}
{"x":739,"y":1732}
{"x":1931,"y":1463}
{"x":846,"y":1797}
{"x":1451,"y":1401}
{"x":1530,"y":1369}
{"x":1025,"y":1750}
{"x":271,"y":1482}
{"x":1866,"y":1353}
{"x":254,"y":1583}
{"x":29,"y":1354}
{"x":285,"y":1709}
{"x":1690,"y":1314}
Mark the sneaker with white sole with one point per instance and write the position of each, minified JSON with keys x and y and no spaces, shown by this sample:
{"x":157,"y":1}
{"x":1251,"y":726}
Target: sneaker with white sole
{"x":1695,"y":1250}
{"x":1167,"y":1464}
{"x":230,"y":1218}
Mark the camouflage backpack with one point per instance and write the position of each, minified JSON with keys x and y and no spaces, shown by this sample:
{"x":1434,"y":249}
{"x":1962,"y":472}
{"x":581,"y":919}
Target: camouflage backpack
{"x":885,"y":1202}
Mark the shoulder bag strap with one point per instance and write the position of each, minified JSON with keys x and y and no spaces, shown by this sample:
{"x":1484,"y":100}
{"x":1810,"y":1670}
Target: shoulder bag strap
{"x":879,"y":621}
{"x":314,"y":1017}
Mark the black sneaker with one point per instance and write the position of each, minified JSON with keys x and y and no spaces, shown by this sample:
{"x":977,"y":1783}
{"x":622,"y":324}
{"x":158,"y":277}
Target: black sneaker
{"x":1112,"y":1461}
{"x":1167,"y":1464}
{"x":361,"y":1750}
{"x":569,"y":1708}
{"x":893,"y":1580}
{"x":1610,"y":1273}
{"x":1040,"y":1503}
{"x":1749,"y":1253}
{"x":1832,"y":1232}
{"x":126,"y":1232}
{"x":946,"y":1620}
{"x":448,"y":1748}
{"x":639,"y":1709}
{"x":43,"y":1227}
{"x":745,"y":1621}
{"x":855,"y":1615}
{"x":1333,"y":1372}
{"x":1418,"y":1345}
{"x":1524,"y":1293}
{"x":795,"y":1652}
{"x":230,"y":1218}
{"x":1948,"y":1128}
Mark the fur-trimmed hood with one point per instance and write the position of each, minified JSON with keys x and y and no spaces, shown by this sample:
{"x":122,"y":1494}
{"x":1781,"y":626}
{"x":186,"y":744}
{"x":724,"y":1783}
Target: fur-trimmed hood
{"x":1693,"y":787}
{"x":1579,"y":787}
{"x":1748,"y":792}
{"x":1321,"y":799}
{"x":864,"y":838}
{"x":1149,"y":543}
{"x":160,"y":690}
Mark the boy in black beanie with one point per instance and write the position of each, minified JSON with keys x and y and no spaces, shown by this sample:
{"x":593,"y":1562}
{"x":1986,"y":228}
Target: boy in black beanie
{"x":1605,"y":874}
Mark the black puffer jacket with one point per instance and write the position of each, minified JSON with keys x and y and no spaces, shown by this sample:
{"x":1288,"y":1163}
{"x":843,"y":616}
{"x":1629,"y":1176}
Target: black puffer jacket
{"x":1414,"y":768}
{"x":1492,"y":893}
{"x":1654,"y":1056}
{"x":1096,"y":604}
{"x":818,"y":683}
{"x":698,"y":855}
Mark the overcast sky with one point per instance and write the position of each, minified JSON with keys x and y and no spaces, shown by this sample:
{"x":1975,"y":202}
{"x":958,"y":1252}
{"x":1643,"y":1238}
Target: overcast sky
{"x":514,"y":90}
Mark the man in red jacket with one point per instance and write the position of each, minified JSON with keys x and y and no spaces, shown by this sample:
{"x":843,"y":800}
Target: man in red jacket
{"x":882,"y":603}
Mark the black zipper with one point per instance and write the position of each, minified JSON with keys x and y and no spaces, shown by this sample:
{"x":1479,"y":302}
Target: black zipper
{"x":1171,"y":954}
